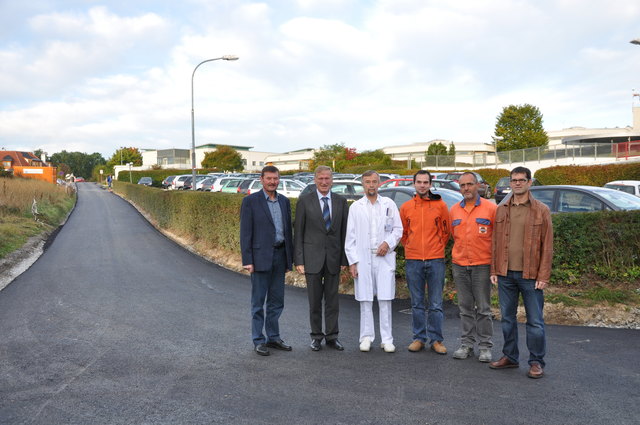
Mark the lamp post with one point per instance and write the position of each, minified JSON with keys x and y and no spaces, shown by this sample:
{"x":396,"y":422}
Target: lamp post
{"x":193,"y":132}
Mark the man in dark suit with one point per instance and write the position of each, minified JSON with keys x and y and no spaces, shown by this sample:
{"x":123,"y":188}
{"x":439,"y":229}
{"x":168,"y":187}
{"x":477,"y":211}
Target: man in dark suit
{"x":320,"y":229}
{"x":267,"y":252}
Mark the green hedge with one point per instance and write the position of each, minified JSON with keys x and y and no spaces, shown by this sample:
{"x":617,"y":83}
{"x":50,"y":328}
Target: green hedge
{"x":592,"y":175}
{"x":587,"y":246}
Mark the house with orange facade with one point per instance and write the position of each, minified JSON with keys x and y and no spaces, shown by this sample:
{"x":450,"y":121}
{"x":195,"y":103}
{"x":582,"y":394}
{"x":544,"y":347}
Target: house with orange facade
{"x":26,"y":164}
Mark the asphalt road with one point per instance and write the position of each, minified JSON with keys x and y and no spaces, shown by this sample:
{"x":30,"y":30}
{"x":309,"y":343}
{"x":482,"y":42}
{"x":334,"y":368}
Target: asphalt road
{"x":115,"y":324}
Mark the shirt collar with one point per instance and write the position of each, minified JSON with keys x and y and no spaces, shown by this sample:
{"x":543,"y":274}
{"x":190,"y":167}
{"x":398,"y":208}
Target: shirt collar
{"x":320,"y":195}
{"x":464,"y":204}
{"x":266,"y":195}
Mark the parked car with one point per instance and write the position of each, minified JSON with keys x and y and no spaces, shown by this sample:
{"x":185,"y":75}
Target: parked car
{"x":206,"y":184}
{"x":147,"y":181}
{"x":402,"y":194}
{"x":166,"y":183}
{"x":79,"y":179}
{"x":231,"y":185}
{"x":221,"y":181}
{"x":244,"y":186}
{"x":383,"y":177}
{"x":187,"y":185}
{"x":629,"y":186}
{"x":287,"y":187}
{"x":570,"y":198}
{"x":397,"y":182}
{"x":503,"y":188}
{"x":438,"y":175}
{"x":348,"y":188}
{"x":178,"y":182}
{"x":484,"y":190}
{"x":445,"y":184}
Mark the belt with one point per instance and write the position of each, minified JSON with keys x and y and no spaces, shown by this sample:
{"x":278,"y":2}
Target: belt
{"x":278,"y":244}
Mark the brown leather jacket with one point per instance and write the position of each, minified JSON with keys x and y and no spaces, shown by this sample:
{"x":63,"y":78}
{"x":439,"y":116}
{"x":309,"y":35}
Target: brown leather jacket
{"x":538,"y":242}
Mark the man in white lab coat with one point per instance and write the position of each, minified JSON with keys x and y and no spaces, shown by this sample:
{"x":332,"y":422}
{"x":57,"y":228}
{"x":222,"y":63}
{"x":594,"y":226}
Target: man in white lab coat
{"x":374,"y":229}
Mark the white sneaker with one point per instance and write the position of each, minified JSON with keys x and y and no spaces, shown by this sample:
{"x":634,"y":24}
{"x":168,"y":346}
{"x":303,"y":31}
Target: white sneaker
{"x":485,"y":355}
{"x":388,"y":348}
{"x":365,"y":345}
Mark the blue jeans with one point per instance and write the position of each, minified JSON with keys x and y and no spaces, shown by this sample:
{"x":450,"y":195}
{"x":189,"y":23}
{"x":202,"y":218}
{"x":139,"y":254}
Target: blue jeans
{"x":509,"y":289}
{"x":268,"y":285}
{"x":432,"y":272}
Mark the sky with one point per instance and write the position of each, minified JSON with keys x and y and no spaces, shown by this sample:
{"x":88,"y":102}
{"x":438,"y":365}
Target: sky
{"x":93,"y":76}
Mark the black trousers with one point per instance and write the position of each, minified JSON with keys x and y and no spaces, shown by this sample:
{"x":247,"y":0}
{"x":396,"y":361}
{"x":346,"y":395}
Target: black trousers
{"x":323,"y":285}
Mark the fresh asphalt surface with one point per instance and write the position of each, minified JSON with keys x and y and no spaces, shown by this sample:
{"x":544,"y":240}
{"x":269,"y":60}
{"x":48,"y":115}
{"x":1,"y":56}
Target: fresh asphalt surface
{"x":115,"y":324}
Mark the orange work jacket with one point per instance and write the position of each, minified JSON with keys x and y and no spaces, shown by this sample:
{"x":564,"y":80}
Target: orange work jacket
{"x":426,"y":228}
{"x":472,"y":232}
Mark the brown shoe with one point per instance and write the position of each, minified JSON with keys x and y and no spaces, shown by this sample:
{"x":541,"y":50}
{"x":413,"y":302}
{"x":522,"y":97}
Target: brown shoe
{"x":416,"y":346}
{"x":535,"y":371}
{"x":503,"y":363}
{"x":439,"y":347}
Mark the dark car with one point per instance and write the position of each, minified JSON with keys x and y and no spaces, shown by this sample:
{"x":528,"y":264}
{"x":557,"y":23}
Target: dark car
{"x":166,"y":183}
{"x":147,"y":181}
{"x":570,"y":198}
{"x":503,"y":188}
{"x":244,"y":186}
{"x":484,"y":190}
{"x":402,"y":194}
{"x":347,"y":188}
{"x":445,"y":184}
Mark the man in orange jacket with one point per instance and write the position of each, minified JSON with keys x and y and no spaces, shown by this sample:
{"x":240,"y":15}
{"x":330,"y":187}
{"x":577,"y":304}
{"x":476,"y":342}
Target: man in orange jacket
{"x":425,"y":220}
{"x":472,"y":222}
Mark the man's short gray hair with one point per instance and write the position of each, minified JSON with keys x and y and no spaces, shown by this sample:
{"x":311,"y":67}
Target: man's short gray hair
{"x":370,"y":173}
{"x":321,"y":169}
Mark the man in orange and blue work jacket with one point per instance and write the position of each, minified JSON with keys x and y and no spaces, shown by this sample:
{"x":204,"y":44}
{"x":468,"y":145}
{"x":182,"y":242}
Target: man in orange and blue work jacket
{"x":472,"y":222}
{"x":425,"y":220}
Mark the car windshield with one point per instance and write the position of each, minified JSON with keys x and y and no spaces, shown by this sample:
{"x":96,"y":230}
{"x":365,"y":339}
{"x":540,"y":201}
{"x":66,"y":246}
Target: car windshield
{"x":503,"y":182}
{"x":620,"y":187}
{"x":622,"y":200}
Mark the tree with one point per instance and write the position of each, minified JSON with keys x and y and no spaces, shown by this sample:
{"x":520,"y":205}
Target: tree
{"x":520,"y":127}
{"x":436,"y":149}
{"x":123,"y":156}
{"x":78,"y":163}
{"x":223,"y":158}
{"x":376,"y":157}
{"x":452,"y":150}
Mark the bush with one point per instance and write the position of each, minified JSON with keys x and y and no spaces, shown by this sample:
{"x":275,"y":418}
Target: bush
{"x":592,"y":175}
{"x":587,"y":246}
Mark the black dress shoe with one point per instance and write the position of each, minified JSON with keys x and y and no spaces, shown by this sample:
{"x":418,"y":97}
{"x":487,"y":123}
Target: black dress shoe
{"x":315,"y":345}
{"x":279,"y":345}
{"x":262,"y":350}
{"x":334,"y":343}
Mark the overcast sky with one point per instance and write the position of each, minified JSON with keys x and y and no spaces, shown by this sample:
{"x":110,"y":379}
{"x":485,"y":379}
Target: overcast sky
{"x":92,"y":76}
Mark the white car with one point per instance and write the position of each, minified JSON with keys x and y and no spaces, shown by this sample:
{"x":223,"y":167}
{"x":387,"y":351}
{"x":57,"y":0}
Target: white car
{"x":178,"y":182}
{"x":217,"y":185}
{"x":287,"y":187}
{"x":629,"y":186}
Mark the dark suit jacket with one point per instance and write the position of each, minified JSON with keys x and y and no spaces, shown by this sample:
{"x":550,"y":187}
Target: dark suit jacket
{"x":258,"y":233}
{"x":314,"y":245}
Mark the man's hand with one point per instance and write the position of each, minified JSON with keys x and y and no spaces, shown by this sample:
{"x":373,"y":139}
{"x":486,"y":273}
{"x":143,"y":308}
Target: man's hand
{"x":494,"y":279}
{"x":300,"y":269}
{"x":382,"y":249}
{"x":540,"y":284}
{"x":354,"y":270}
{"x":248,"y":267}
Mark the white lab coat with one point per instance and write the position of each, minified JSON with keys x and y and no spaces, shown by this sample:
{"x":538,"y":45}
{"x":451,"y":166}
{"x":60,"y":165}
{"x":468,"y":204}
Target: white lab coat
{"x":358,"y":249}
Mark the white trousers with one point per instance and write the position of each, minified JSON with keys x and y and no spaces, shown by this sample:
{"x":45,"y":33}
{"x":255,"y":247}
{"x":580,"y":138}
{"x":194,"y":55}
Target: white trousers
{"x":367,"y":327}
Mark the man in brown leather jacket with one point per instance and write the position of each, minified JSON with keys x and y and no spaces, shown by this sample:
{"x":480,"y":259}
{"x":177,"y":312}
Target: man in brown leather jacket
{"x":522,"y":252}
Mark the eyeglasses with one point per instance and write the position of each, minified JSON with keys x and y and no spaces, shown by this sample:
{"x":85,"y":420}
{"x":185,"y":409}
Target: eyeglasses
{"x":521,"y":181}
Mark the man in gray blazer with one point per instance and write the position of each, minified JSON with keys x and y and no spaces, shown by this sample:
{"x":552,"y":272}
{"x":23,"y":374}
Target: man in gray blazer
{"x":319,"y":232}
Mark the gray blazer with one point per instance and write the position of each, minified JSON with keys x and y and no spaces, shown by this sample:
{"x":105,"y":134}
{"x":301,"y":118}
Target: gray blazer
{"x":313,"y":244}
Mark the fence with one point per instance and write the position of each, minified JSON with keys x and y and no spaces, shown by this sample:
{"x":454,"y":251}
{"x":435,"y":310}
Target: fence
{"x":614,"y":151}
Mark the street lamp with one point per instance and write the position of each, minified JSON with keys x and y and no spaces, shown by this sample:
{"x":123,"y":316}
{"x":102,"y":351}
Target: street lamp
{"x":193,"y":133}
